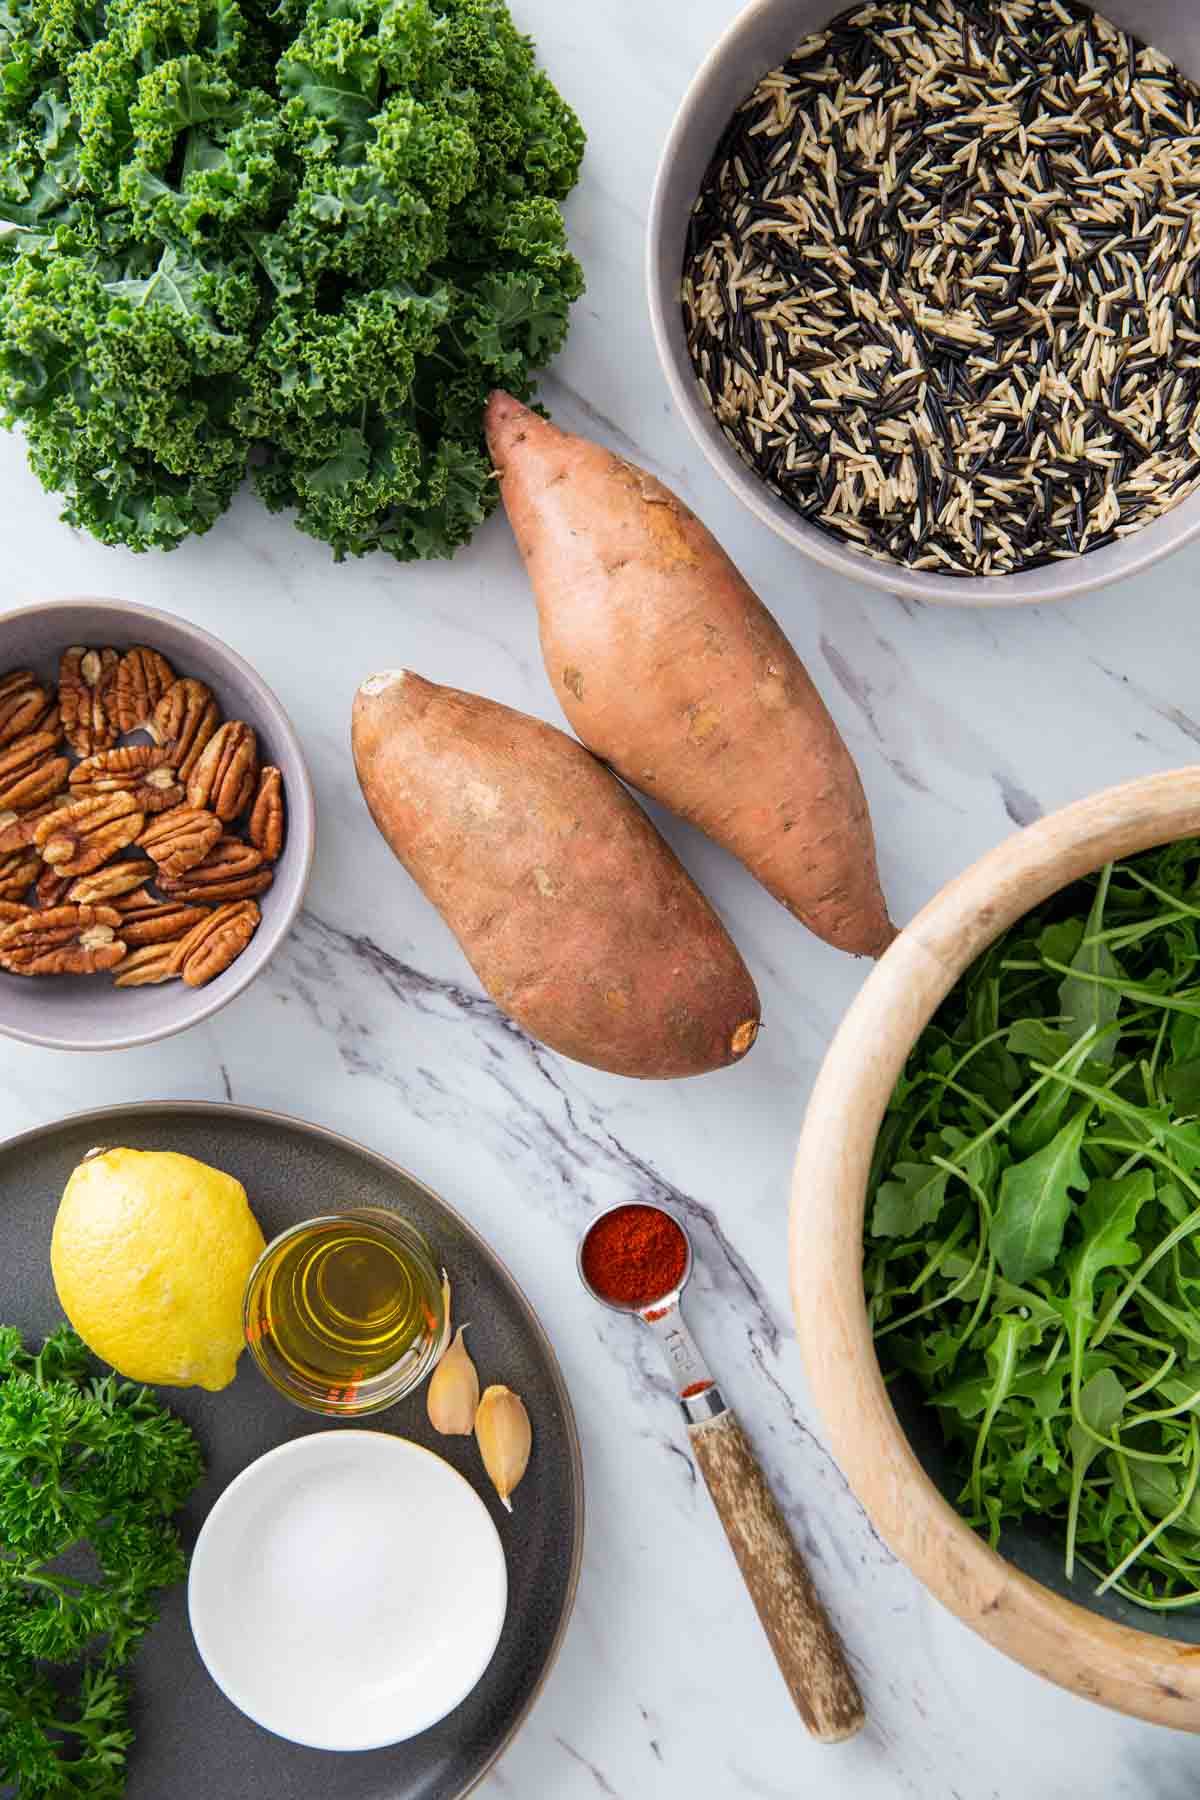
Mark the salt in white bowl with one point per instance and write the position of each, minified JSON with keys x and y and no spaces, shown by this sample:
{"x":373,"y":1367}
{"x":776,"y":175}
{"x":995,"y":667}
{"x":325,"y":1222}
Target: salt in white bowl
{"x":347,"y":1590}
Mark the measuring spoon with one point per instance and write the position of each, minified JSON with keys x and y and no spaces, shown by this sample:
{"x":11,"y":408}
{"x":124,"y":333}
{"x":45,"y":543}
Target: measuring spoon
{"x":806,"y":1645}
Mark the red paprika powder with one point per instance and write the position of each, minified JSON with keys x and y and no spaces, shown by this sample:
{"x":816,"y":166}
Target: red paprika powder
{"x":634,"y":1255}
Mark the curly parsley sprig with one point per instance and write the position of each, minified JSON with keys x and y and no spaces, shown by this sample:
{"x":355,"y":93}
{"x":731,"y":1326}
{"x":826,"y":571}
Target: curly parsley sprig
{"x":91,"y":1471}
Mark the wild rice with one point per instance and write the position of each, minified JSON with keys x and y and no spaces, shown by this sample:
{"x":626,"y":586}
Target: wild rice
{"x":942,"y":282}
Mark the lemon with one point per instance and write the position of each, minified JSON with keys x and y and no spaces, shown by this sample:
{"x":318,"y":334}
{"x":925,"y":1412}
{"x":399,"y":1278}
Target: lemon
{"x":151,"y":1252}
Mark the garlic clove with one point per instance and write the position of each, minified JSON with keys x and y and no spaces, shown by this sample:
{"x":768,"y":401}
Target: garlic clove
{"x":505,"y":1438}
{"x":453,"y":1396}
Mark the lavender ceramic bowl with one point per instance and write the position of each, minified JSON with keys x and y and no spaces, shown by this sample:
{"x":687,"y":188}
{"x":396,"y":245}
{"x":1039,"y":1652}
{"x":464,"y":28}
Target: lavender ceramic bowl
{"x":88,"y":1012}
{"x":761,"y":37}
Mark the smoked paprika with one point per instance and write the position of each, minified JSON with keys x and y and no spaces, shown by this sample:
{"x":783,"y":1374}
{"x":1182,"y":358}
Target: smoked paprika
{"x":634,"y":1255}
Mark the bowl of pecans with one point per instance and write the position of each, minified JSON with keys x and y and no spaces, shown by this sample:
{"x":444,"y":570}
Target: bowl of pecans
{"x":924,"y":279}
{"x":156,"y":824}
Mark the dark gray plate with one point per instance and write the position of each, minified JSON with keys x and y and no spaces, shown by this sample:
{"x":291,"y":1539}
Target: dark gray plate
{"x":192,"y":1744}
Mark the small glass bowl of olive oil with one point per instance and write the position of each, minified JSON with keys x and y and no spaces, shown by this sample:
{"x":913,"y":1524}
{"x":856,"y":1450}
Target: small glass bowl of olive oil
{"x":346,"y":1313}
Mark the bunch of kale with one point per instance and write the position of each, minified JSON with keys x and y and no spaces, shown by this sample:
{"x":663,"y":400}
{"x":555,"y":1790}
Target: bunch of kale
{"x":297,"y":238}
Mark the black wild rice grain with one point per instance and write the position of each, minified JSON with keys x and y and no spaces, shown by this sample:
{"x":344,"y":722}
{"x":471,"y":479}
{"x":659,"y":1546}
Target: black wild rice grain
{"x":942,"y":282}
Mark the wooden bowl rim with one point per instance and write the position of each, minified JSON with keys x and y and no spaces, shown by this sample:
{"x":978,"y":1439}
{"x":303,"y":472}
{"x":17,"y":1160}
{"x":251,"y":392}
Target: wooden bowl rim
{"x":1117,"y":1665}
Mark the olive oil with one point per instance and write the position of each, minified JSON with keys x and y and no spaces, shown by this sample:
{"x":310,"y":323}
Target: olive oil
{"x":345,"y":1313}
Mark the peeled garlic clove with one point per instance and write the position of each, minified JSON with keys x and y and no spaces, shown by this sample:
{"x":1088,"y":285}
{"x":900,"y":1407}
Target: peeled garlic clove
{"x":505,"y":1438}
{"x":453,"y":1397}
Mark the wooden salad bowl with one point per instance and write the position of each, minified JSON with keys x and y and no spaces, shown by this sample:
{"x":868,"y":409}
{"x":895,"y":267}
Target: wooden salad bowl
{"x":1146,"y":1664}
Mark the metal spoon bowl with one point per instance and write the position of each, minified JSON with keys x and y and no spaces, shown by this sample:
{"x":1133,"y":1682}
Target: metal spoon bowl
{"x":673,"y":1294}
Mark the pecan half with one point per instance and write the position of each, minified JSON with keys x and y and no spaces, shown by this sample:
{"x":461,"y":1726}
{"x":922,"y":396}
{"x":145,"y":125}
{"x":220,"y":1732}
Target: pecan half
{"x":217,"y":941}
{"x":226,"y":773}
{"x":26,"y":705}
{"x":160,"y":922}
{"x":231,"y":871}
{"x":118,"y":880}
{"x":70,"y":940}
{"x":184,"y":721}
{"x":151,"y":964}
{"x":18,"y":871}
{"x":87,"y":698}
{"x":143,"y":677}
{"x":179,"y":839}
{"x":13,"y":909}
{"x":133,"y":904}
{"x":16,"y":829}
{"x":79,"y":837}
{"x":265,"y":825}
{"x":30,"y":772}
{"x":143,"y":770}
{"x":51,"y":888}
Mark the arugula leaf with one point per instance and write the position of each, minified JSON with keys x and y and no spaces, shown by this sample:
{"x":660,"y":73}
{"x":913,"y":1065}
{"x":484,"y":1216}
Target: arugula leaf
{"x":914,"y":1198}
{"x":978,"y":1160}
{"x":1035,"y":1039}
{"x":1086,"y":1005}
{"x":1101,"y":1404}
{"x":1035,"y":1201}
{"x":1047,"y":1301}
{"x":1013,"y":1333}
{"x":1181,"y":1084}
{"x":1108,"y":1220}
{"x":1156,"y":1487}
{"x":1037,"y":1124}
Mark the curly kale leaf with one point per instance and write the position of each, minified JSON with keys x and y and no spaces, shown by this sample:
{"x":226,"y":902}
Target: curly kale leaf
{"x":299,"y":240}
{"x":135,"y":424}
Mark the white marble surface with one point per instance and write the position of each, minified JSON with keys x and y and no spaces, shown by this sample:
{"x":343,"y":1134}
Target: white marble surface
{"x":370,"y":1022}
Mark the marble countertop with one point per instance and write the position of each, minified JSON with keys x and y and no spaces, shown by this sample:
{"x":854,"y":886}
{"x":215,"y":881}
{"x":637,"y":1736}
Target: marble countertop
{"x":369,"y":1021}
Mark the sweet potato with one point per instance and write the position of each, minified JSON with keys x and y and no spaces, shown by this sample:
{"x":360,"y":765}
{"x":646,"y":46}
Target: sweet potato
{"x":573,"y":912}
{"x":669,"y":667}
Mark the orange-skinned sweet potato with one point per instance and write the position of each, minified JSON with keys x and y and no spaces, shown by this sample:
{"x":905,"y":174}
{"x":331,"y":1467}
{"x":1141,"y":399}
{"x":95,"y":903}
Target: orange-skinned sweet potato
{"x":670,"y":667}
{"x":573,"y":912}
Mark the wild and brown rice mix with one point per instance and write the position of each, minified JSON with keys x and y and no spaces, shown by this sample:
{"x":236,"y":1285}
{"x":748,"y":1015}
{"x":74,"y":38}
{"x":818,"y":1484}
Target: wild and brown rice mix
{"x":941,"y":283}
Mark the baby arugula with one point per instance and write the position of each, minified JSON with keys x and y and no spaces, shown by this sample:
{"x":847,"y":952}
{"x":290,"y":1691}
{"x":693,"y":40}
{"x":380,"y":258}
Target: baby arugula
{"x":91,"y":1470}
{"x":1031,"y":1254}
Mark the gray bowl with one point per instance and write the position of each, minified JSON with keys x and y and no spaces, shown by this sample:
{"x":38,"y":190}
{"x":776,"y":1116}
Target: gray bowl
{"x":88,"y":1012}
{"x":759,"y":39}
